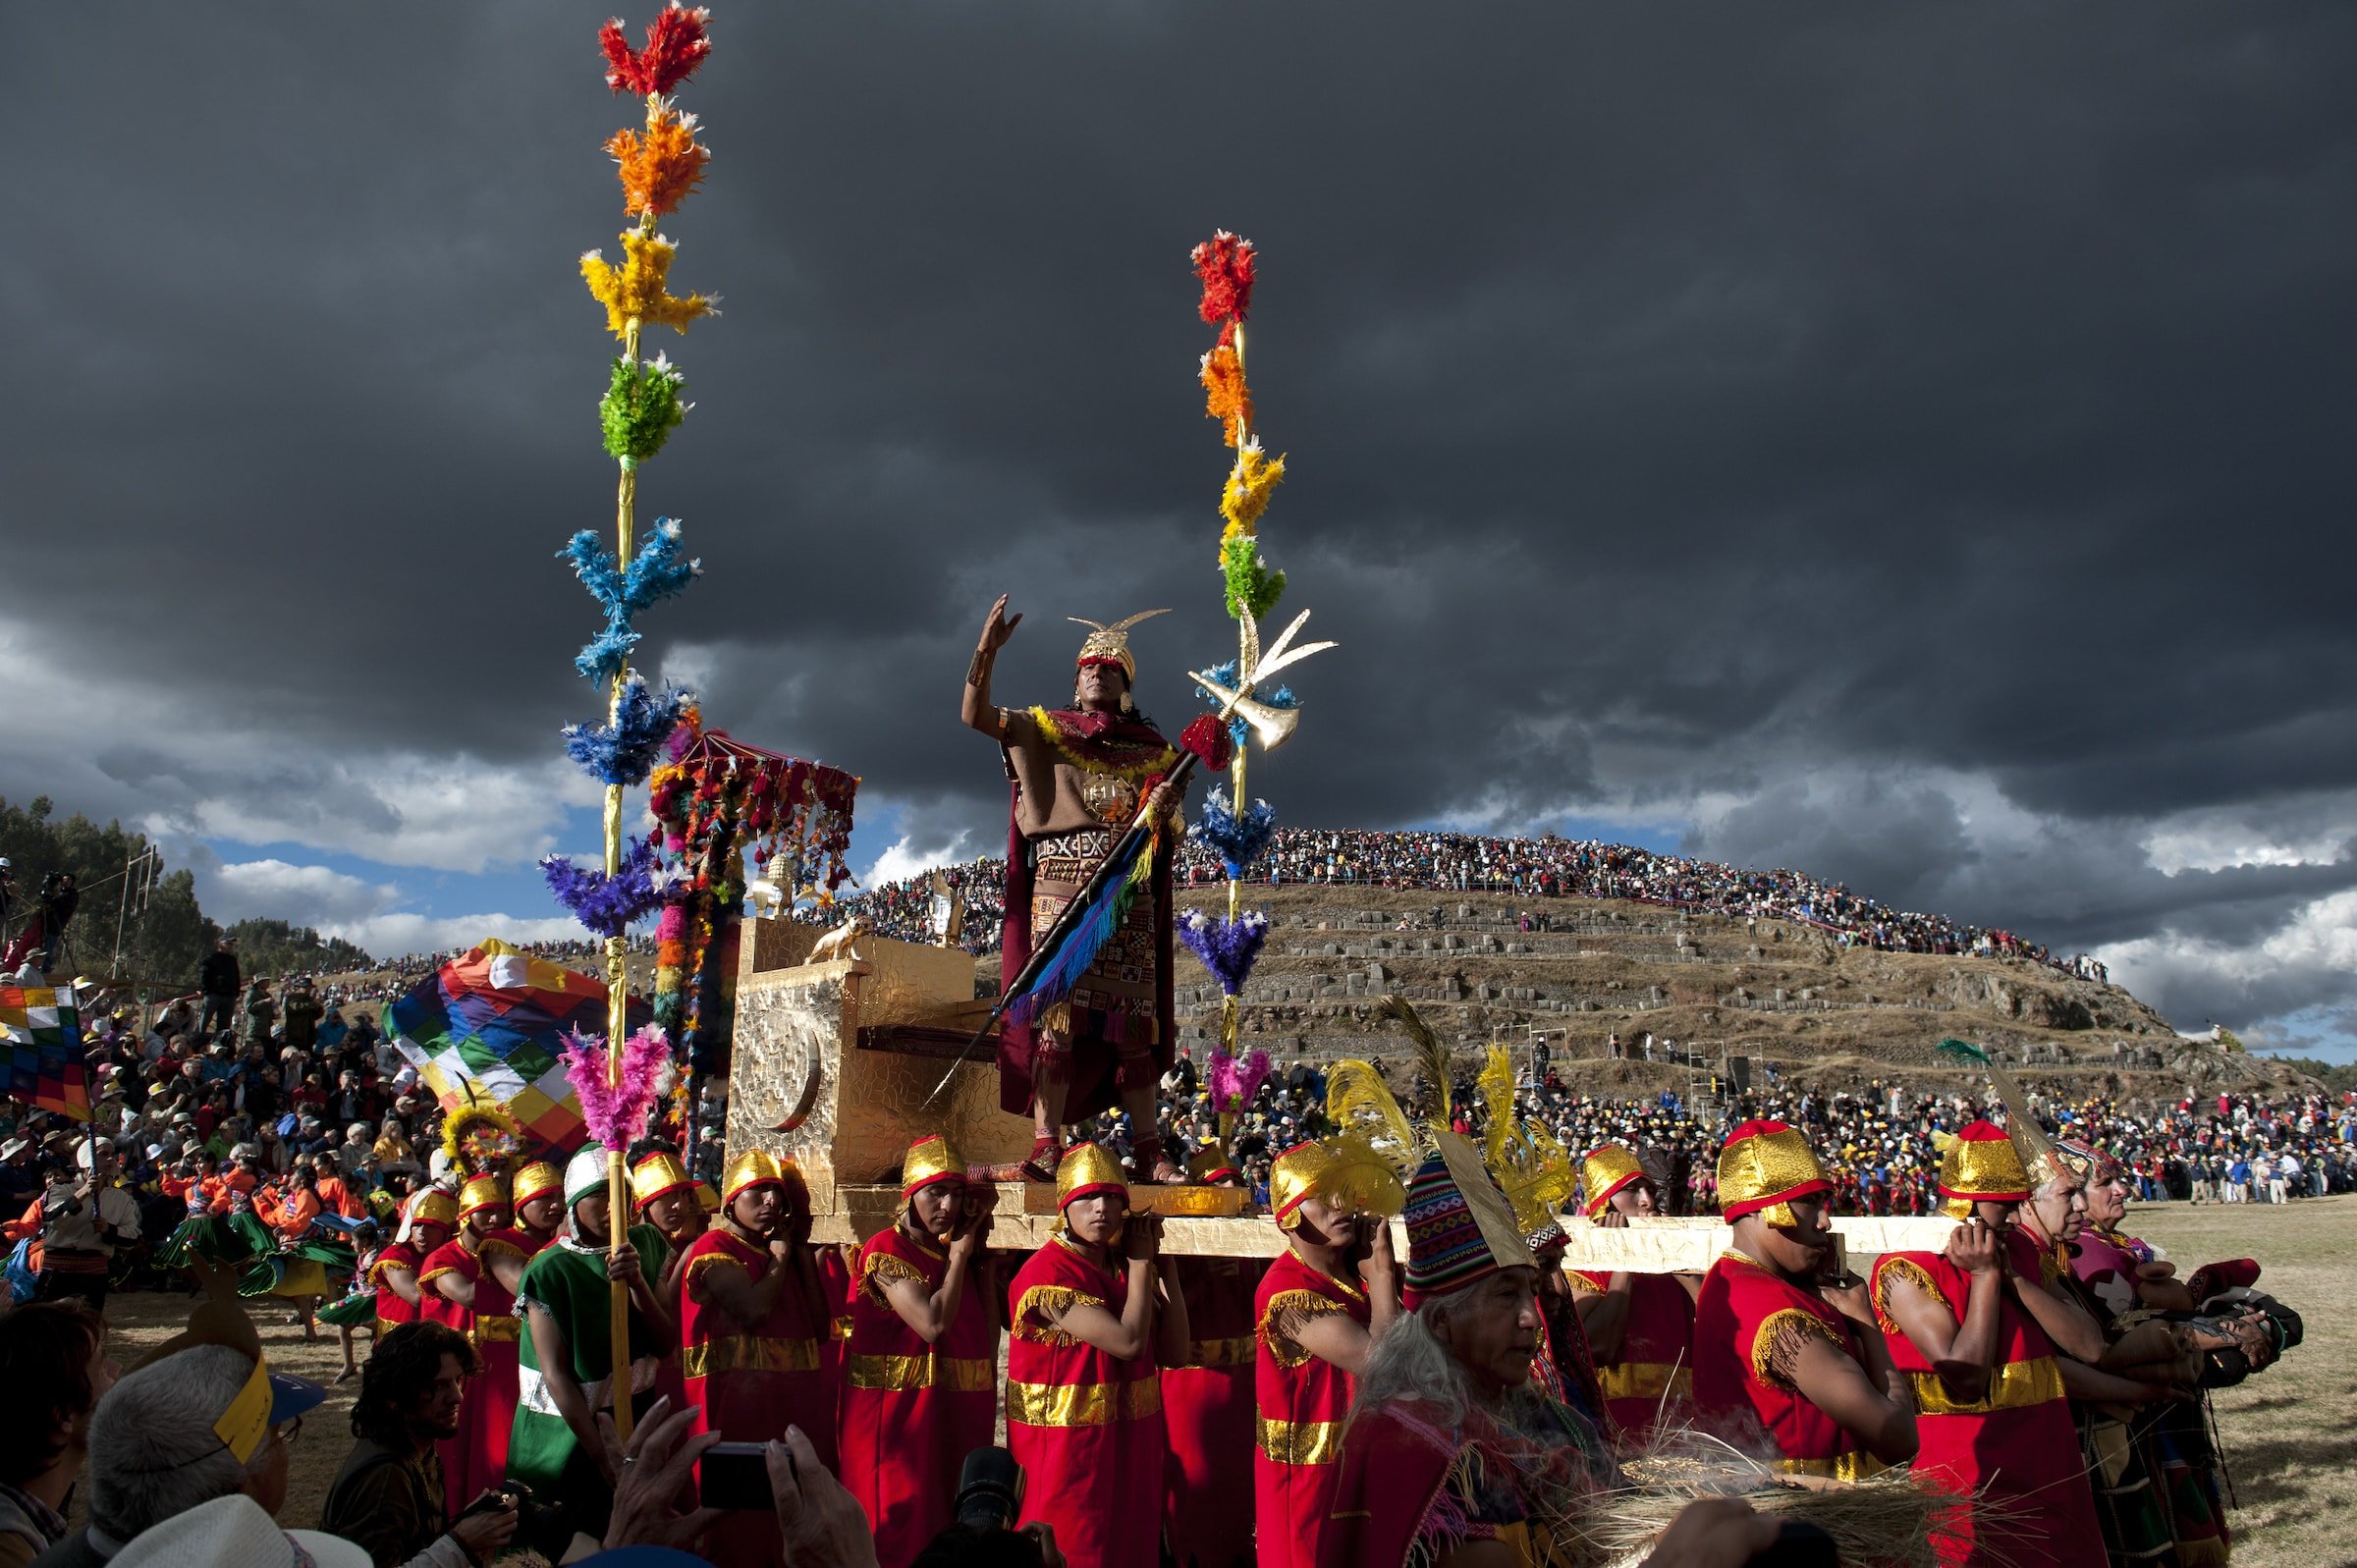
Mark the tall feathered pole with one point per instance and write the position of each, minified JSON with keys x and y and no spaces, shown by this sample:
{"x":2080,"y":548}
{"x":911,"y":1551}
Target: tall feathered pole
{"x":659,"y":166}
{"x":1227,"y":267}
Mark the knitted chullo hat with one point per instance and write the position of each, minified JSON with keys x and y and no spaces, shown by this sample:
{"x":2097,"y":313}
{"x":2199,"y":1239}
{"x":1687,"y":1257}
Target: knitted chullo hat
{"x":1981,"y":1166}
{"x":1763,"y":1168}
{"x":1460,"y":1226}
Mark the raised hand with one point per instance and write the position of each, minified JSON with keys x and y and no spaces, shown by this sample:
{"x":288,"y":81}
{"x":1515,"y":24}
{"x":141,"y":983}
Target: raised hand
{"x":999,"y":626}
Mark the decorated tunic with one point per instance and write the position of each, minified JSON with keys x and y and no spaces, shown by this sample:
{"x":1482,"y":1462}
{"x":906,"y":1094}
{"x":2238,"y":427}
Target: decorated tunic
{"x":912,"y":1411}
{"x":2016,"y":1440}
{"x":1207,"y":1416}
{"x":478,"y":1455}
{"x":1652,"y":1382}
{"x":391,"y":1308}
{"x":752,"y":1382}
{"x":1749,"y":1327}
{"x":1411,"y":1491}
{"x":569,"y":1281}
{"x":1300,"y":1401}
{"x":1086,"y":1427}
{"x":1078,"y":779}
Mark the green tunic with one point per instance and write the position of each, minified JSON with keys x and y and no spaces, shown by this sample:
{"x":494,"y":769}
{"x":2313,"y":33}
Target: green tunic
{"x":570,"y":1284}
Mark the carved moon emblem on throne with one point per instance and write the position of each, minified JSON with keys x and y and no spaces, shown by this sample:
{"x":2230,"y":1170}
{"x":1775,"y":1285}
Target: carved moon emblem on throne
{"x":1109,"y":797}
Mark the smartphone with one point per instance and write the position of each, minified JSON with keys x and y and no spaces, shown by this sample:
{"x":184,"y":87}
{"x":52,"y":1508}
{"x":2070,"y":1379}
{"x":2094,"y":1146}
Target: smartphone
{"x":734,"y":1474}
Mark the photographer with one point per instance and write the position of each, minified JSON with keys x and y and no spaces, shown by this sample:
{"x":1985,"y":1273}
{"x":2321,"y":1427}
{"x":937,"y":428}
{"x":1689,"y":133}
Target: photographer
{"x":388,"y":1498}
{"x":59,"y":900}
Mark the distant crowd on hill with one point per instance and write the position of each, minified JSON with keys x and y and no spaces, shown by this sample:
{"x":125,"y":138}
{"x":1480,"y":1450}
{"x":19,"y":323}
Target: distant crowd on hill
{"x":1533,"y":868}
{"x":1881,"y":1146}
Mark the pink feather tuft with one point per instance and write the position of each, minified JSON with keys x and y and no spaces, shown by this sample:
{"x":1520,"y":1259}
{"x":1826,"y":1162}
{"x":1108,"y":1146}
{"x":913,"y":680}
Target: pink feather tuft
{"x":616,"y":1117}
{"x":1236,"y":1084}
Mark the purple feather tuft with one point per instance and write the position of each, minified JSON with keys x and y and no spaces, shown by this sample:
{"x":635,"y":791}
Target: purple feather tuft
{"x":1228,"y":947}
{"x":607,"y":905}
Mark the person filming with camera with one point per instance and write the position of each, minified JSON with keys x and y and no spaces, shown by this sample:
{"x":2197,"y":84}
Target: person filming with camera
{"x":388,"y":1500}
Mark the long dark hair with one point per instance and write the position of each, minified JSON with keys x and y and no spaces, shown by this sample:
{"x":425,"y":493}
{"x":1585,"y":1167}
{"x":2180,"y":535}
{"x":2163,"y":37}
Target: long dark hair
{"x":399,"y":1370}
{"x":45,"y":1351}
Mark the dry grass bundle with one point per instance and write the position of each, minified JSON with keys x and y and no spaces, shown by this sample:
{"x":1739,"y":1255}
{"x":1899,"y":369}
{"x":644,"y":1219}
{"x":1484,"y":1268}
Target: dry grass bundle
{"x":1894,"y":1518}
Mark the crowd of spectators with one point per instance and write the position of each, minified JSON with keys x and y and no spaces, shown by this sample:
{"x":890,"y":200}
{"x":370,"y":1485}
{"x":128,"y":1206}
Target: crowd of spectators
{"x":1881,"y":1146}
{"x":1428,"y":861}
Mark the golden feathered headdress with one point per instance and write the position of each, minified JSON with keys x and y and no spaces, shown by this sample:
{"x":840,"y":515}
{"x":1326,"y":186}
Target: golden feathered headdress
{"x":1362,"y":1109}
{"x":1532,"y":1166}
{"x":1432,"y":1058}
{"x":1111,"y":643}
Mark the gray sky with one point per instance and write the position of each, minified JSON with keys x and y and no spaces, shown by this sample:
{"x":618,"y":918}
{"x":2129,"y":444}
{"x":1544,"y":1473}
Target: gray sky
{"x":1903,"y":443}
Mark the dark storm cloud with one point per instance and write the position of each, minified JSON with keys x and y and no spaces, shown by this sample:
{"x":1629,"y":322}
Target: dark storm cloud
{"x":1686,"y":406}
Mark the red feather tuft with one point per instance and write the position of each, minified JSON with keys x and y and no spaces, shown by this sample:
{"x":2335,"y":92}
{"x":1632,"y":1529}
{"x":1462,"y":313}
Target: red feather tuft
{"x":1224,"y":264}
{"x":676,"y":44}
{"x":1208,"y":739}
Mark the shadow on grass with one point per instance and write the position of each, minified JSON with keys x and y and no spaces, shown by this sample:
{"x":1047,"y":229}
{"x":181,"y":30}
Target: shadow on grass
{"x":2261,"y":1471}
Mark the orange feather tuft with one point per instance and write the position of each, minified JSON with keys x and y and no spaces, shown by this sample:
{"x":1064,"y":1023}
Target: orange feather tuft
{"x":659,"y":169}
{"x":1226,"y":397}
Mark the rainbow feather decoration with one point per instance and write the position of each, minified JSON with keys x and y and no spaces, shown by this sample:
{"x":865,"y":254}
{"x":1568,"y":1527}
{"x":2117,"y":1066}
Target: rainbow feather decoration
{"x":1091,"y":929}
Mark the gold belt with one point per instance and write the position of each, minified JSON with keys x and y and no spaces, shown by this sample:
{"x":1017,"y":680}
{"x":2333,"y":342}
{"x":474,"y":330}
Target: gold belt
{"x":1645,"y":1380}
{"x":1301,"y":1442}
{"x":497,"y":1328}
{"x":1084,"y":1404}
{"x":1857,"y":1466}
{"x":1236,"y":1352}
{"x":961,"y":1375}
{"x":749,"y":1353}
{"x":2015,"y":1385}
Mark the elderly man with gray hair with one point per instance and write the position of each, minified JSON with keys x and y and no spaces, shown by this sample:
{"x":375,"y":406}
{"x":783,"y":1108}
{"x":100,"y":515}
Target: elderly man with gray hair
{"x":180,"y":1432}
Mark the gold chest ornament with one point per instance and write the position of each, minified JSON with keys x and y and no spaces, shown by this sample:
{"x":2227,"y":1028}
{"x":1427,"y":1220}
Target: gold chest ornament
{"x":1109,"y":797}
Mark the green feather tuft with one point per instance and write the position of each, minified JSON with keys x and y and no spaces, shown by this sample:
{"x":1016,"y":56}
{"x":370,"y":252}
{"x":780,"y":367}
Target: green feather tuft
{"x":1964,"y":1051}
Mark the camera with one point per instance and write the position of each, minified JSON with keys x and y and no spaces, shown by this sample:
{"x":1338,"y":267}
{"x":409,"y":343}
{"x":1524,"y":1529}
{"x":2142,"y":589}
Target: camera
{"x":535,"y":1520}
{"x":990,"y":1498}
{"x":49,"y":882}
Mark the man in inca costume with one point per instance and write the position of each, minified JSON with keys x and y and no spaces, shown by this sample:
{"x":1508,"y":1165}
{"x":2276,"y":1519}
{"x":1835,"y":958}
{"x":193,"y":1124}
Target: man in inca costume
{"x":1080,"y":774}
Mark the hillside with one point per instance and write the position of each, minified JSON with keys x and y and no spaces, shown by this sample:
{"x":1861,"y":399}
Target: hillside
{"x":1705,"y":987}
{"x":1779,"y":992}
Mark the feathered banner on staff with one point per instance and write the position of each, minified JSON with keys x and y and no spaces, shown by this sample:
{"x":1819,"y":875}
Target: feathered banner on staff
{"x":659,"y":165}
{"x":1233,"y":827}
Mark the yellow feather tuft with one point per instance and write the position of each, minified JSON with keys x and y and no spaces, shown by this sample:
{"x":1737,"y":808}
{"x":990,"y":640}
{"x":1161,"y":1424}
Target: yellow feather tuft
{"x":1496,"y":1087}
{"x":1432,"y":1057}
{"x":1359,"y":1104}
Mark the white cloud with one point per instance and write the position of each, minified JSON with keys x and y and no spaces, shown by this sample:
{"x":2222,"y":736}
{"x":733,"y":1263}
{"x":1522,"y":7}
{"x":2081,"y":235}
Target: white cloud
{"x":901,"y":861}
{"x":2301,"y":962}
{"x":401,"y":931}
{"x":304,"y":895}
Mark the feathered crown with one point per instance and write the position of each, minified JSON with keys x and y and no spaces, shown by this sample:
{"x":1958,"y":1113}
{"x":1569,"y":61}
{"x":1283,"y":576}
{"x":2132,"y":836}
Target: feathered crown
{"x":482,"y":1141}
{"x":1532,"y":1166}
{"x":1111,"y":643}
{"x":2029,"y":1140}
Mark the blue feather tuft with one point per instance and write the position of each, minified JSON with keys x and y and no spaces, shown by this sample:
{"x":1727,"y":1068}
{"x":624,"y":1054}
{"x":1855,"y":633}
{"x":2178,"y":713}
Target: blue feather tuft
{"x":624,"y":752}
{"x":1237,"y":839}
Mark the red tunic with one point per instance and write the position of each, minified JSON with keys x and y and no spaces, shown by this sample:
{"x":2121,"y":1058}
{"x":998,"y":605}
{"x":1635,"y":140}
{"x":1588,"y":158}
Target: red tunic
{"x":1653,"y":1380}
{"x":751,"y":1385}
{"x":1207,"y":1416}
{"x":478,"y":1455}
{"x":2017,"y":1439}
{"x":1300,"y":1400}
{"x":1085,"y":1427}
{"x":391,"y":1309}
{"x":1745,"y":1306}
{"x":912,"y":1411}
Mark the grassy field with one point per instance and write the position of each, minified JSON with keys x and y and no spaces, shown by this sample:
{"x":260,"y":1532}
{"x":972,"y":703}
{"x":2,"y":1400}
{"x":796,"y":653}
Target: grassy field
{"x":2290,"y":1433}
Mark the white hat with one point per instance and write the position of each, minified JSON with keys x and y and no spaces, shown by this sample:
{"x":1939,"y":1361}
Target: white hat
{"x":234,"y":1531}
{"x":13,"y":1146}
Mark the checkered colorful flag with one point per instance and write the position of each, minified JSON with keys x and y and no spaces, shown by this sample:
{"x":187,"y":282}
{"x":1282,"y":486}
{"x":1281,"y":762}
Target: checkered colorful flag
{"x":487,"y":1028}
{"x":40,"y":1050}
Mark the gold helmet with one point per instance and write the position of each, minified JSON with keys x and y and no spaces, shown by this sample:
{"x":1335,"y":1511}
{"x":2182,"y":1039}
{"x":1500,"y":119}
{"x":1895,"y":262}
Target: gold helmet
{"x":1110,"y":644}
{"x":658,"y":1174}
{"x":483,"y":1192}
